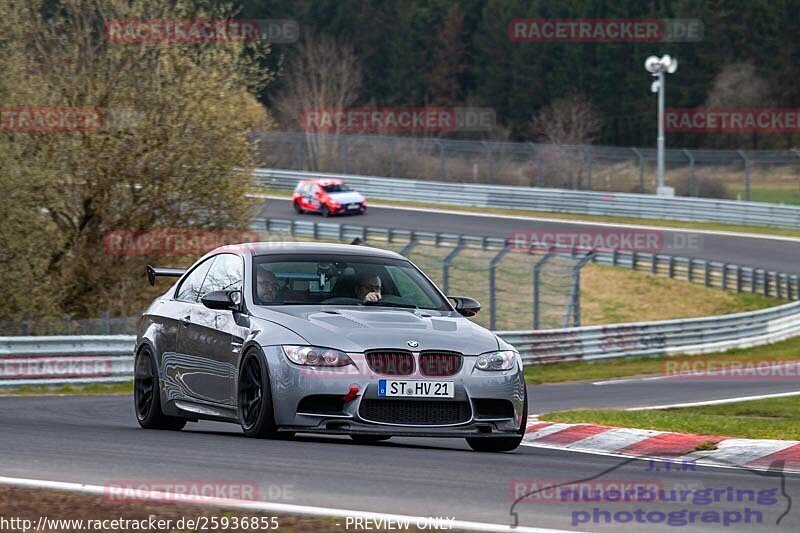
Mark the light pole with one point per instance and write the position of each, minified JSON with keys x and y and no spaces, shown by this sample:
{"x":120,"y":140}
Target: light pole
{"x":658,"y":67}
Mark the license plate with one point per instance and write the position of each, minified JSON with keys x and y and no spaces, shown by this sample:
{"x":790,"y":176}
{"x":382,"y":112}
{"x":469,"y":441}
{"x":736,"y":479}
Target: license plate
{"x":353,"y":206}
{"x":388,"y":388}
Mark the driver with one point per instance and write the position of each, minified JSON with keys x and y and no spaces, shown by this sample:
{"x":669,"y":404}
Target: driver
{"x":268,"y":286}
{"x":368,"y":288}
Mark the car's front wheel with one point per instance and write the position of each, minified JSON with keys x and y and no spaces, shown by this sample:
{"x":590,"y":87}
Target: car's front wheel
{"x":297,"y":208}
{"x":256,"y":414}
{"x":325,"y":211}
{"x":502,"y":444}
{"x":146,"y":396}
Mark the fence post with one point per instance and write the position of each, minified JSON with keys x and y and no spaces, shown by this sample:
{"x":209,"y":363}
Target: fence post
{"x":446,"y":266}
{"x":106,"y":323}
{"x":536,"y":169}
{"x":738,"y":278}
{"x":537,"y":267}
{"x":692,"y":177}
{"x":752,"y":280}
{"x":391,"y":156}
{"x":641,"y":168}
{"x":24,"y":325}
{"x":587,"y":151}
{"x":766,"y":283}
{"x":68,"y":323}
{"x":653,"y":263}
{"x":707,"y":273}
{"x":299,"y":153}
{"x":575,"y":291}
{"x":411,"y":243}
{"x":489,"y":163}
{"x":724,"y":276}
{"x":344,"y":155}
{"x":442,"y":167}
{"x":746,"y":174}
{"x":492,"y":286}
{"x":778,"y":287}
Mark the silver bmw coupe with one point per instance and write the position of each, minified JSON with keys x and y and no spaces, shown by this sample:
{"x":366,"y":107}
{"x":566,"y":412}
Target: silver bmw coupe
{"x":324,"y":338}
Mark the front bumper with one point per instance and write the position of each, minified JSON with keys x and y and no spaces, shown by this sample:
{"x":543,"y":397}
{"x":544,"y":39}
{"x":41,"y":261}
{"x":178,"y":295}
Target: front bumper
{"x":292,"y":383}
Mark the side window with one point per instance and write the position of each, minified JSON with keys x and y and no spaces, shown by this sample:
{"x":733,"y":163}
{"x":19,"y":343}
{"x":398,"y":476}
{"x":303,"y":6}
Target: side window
{"x":189,"y":289}
{"x":408,"y":289}
{"x":225,"y":275}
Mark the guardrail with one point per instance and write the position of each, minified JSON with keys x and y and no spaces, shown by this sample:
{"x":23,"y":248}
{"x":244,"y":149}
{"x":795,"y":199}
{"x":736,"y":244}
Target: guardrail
{"x":553,"y":200}
{"x":726,"y":276}
{"x":664,"y":337}
{"x":106,"y":359}
{"x":73,"y":359}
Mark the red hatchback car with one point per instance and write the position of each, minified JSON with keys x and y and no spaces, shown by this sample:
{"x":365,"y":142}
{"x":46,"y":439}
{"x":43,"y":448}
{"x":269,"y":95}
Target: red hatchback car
{"x":327,"y":197}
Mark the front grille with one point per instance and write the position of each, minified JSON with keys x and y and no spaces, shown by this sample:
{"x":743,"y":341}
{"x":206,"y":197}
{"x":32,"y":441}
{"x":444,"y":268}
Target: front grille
{"x":414,"y":412}
{"x":439,"y":363}
{"x":391,"y":363}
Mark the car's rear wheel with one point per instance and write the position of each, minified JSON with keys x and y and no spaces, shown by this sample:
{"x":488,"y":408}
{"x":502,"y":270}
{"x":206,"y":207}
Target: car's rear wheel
{"x":297,"y":208}
{"x":256,"y":414}
{"x":369,"y":439}
{"x":502,"y":444}
{"x":325,"y":211}
{"x":146,"y":396}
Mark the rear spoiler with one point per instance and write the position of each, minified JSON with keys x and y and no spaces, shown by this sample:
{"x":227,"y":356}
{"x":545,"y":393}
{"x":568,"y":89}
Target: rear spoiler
{"x":152,"y":272}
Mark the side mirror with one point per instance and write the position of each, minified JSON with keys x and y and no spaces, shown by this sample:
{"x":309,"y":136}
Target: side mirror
{"x":223,"y":300}
{"x":465,"y":305}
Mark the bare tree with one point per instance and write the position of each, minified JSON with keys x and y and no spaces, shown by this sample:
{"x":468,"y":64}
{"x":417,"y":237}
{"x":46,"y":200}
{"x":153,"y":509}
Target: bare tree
{"x":737,"y":85}
{"x":564,"y":124}
{"x":323,"y":74}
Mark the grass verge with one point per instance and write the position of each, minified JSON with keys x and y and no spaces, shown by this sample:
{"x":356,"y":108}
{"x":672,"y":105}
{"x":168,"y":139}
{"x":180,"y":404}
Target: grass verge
{"x":618,"y":368}
{"x":672,"y":224}
{"x":75,"y":512}
{"x":125,"y":387}
{"x":773,"y":418}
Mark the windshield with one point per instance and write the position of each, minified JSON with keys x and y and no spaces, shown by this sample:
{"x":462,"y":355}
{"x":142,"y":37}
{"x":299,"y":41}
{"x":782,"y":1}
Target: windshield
{"x":342,"y":280}
{"x":338,"y":187}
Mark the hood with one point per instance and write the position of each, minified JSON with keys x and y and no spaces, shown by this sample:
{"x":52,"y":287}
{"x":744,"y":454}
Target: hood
{"x":350,"y":197}
{"x":355,"y":329}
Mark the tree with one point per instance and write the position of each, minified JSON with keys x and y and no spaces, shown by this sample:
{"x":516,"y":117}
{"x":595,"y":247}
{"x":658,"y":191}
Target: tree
{"x":737,"y":85}
{"x":171,"y":150}
{"x":323,"y":74}
{"x":565,"y":124}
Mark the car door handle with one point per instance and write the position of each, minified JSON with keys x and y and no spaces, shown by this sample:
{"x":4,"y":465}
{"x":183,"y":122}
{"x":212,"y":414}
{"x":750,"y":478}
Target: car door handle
{"x":185,"y":321}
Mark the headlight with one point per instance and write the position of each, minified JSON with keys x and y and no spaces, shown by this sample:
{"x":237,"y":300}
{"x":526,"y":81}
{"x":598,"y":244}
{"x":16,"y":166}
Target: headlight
{"x":505,"y":360}
{"x":316,"y":356}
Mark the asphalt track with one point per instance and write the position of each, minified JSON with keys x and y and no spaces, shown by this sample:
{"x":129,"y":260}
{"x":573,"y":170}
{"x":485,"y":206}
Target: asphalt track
{"x":96,"y":440}
{"x":782,"y":255}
